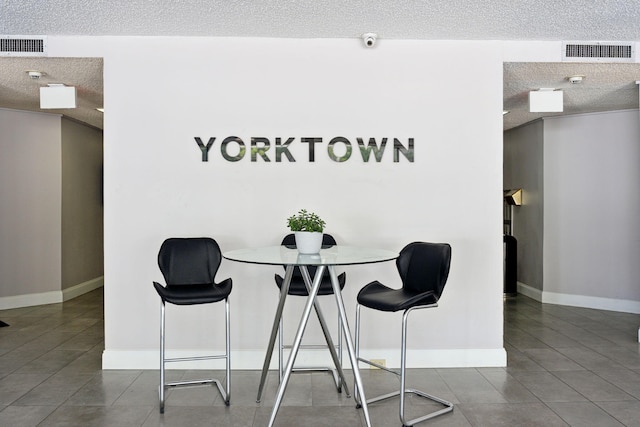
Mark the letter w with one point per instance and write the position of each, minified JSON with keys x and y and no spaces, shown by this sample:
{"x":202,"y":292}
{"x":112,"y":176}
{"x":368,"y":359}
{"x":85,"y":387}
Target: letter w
{"x":365,"y":151}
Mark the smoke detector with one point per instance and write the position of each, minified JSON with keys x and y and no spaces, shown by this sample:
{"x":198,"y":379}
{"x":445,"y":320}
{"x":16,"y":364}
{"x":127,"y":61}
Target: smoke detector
{"x":574,"y":80}
{"x":35,"y":75}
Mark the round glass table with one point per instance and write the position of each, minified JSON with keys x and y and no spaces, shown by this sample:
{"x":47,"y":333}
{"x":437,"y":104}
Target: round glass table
{"x":327,"y":258}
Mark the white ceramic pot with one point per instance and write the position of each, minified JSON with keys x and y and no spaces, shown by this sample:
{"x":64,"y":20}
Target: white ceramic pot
{"x":308,"y":242}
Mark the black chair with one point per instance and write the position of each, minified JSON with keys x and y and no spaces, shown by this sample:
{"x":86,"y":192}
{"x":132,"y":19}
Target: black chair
{"x":423,"y":269}
{"x":189,"y":266}
{"x":298,"y":287}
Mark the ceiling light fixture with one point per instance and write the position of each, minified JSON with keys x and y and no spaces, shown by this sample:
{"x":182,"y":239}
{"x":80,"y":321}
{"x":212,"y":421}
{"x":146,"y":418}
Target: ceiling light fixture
{"x":100,"y":109}
{"x":505,"y":112}
{"x":546,"y":100}
{"x":57,"y":95}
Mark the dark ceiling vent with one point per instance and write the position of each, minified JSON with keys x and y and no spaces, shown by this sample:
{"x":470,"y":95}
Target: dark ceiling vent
{"x":598,"y":52}
{"x":23,"y":46}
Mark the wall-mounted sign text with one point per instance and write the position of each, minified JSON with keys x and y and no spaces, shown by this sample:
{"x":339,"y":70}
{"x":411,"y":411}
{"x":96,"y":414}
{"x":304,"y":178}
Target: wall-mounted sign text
{"x":339,"y":148}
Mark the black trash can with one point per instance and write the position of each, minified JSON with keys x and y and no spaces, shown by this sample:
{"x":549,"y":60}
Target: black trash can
{"x":510,"y":265}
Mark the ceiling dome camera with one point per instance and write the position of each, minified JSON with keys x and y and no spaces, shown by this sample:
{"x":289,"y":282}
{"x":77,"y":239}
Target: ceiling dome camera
{"x":369,"y":39}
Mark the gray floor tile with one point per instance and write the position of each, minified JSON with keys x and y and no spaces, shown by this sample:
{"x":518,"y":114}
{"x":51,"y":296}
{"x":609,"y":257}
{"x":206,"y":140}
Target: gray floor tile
{"x":97,"y":416}
{"x":469,"y":386}
{"x":50,"y":362}
{"x":202,"y":417}
{"x":592,"y":386}
{"x":627,"y":357}
{"x":589,"y":359}
{"x":552,"y":360}
{"x":14,"y":386}
{"x":310,"y":416}
{"x":625,"y":379}
{"x":628,"y":413}
{"x":103,"y":389}
{"x":517,"y":360}
{"x":511,"y":414}
{"x":548,"y":388}
{"x":510,"y":388}
{"x":55,"y":390}
{"x":24,"y":416}
{"x":584,"y":414}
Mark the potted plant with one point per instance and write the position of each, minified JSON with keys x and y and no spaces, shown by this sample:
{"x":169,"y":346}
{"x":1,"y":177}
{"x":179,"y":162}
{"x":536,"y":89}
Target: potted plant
{"x":307,"y":227}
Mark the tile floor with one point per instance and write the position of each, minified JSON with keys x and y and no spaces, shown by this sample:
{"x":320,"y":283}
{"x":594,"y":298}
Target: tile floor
{"x":566,"y":366}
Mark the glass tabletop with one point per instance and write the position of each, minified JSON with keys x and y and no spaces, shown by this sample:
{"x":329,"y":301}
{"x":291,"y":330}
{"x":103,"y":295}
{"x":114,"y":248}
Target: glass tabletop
{"x":334,"y":255}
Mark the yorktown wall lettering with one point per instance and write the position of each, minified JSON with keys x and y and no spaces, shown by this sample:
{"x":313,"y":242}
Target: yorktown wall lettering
{"x":234,"y":149}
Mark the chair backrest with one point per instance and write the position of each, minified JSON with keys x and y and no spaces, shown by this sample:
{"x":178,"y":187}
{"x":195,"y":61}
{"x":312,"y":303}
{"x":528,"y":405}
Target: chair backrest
{"x":290,"y":242}
{"x":424,"y":267}
{"x":189,"y":261}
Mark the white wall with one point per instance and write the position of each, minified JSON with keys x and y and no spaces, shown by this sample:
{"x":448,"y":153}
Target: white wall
{"x":82,"y":226}
{"x":30,"y":215}
{"x":524,"y":168}
{"x":592,"y":206}
{"x":160,"y":93}
{"x":578,"y":228}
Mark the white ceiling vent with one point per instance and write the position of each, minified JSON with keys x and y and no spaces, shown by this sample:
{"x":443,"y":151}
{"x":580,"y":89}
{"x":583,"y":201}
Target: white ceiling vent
{"x":23,"y":45}
{"x":598,"y":52}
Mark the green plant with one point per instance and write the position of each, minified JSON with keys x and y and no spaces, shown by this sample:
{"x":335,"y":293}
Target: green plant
{"x":305,"y":221}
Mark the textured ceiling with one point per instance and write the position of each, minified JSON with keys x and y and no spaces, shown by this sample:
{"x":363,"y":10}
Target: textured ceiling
{"x":18,"y":91}
{"x":393,"y":19}
{"x":605,"y":87}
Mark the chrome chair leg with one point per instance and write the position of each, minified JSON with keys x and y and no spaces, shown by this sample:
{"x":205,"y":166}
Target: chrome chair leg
{"x":448,"y":406}
{"x":357,"y":350}
{"x":162,"y":377}
{"x":227,"y":395}
{"x":337,"y":376}
{"x":280,"y":350}
{"x":224,"y":391}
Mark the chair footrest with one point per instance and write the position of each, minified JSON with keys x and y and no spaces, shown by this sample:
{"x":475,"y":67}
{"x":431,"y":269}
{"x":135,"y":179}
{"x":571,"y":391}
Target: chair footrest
{"x":309,"y":347}
{"x":190,"y":383}
{"x":195,"y":358}
{"x":195,"y":383}
{"x":448,"y":406}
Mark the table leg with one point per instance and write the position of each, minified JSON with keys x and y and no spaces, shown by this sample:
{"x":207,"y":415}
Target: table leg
{"x":296,"y":342}
{"x":274,"y":330}
{"x":349,"y":341}
{"x":325,"y":331}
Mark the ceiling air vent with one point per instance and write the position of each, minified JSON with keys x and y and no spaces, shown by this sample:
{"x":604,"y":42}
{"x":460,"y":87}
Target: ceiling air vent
{"x":23,"y":46}
{"x":598,"y":52}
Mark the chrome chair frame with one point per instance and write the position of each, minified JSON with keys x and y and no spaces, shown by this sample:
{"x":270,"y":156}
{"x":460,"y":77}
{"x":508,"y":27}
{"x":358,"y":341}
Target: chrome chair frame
{"x":224,"y":392}
{"x":448,"y":406}
{"x":338,"y":346}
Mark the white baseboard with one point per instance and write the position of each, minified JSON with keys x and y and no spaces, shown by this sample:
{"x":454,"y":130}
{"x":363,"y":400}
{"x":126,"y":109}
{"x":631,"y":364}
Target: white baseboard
{"x":253,"y":359}
{"x":82,"y":288}
{"x":585,"y":301}
{"x":528,"y":291}
{"x":28,"y":300}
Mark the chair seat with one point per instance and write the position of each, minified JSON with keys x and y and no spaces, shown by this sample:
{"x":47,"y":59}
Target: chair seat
{"x":298,"y":288}
{"x":377,"y":296}
{"x":194,"y":294}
